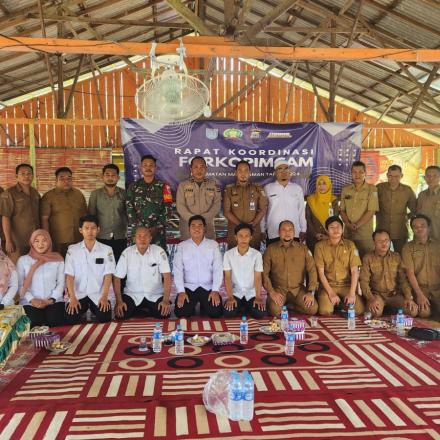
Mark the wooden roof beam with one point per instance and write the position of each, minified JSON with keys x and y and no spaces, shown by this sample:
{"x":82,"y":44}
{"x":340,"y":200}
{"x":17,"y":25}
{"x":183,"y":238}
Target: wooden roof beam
{"x":213,"y":46}
{"x":196,"y":22}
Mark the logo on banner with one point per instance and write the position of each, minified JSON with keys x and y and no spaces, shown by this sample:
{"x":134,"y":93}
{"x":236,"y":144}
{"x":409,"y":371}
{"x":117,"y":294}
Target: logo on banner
{"x":211,"y":133}
{"x":278,"y":135}
{"x":255,"y":134}
{"x":232,"y":133}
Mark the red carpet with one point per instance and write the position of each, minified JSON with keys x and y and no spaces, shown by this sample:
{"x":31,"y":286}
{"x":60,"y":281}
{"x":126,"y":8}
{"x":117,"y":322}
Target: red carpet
{"x":370,"y":385}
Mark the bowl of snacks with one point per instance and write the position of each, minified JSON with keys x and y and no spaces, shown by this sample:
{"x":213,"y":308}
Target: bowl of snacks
{"x":272,"y":328}
{"x":198,"y":340}
{"x":59,"y":347}
{"x":223,"y":338}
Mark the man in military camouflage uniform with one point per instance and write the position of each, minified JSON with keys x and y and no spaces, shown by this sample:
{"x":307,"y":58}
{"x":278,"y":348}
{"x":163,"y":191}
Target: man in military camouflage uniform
{"x":244,"y":202}
{"x":149,"y":203}
{"x":198,"y":196}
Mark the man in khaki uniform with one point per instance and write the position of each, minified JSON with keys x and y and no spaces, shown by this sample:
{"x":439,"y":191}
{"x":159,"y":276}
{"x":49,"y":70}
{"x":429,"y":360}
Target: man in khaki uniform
{"x":359,"y":202}
{"x":337,"y":261}
{"x":428,"y":202}
{"x":20,"y":211}
{"x":61,"y":208}
{"x":421,"y":260}
{"x":395,"y":200}
{"x":198,"y":196}
{"x":383,"y":280}
{"x":244,"y":202}
{"x":286,"y":263}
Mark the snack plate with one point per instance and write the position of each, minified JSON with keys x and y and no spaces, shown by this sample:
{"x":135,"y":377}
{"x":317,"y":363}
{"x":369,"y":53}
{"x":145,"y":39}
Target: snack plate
{"x":223,"y":338}
{"x":199,"y":342}
{"x":63,"y":346}
{"x":266,"y":329}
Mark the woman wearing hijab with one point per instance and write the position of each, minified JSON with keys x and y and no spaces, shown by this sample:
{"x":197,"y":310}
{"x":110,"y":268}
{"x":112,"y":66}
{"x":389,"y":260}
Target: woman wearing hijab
{"x":41,"y":281}
{"x":321,"y":205}
{"x":8,"y":280}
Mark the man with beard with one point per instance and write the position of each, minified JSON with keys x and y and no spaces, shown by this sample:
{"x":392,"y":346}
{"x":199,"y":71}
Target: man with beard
{"x":244,"y":202}
{"x":108,"y":204}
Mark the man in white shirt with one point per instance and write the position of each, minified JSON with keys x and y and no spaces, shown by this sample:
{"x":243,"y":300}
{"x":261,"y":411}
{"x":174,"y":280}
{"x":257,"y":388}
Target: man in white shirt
{"x":89,"y":267}
{"x":144,"y":264}
{"x":286,"y":202}
{"x":243,"y":268}
{"x":198,"y":273}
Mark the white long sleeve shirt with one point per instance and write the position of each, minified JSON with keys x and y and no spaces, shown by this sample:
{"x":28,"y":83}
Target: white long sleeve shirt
{"x":89,"y":268}
{"x":8,"y":298}
{"x":48,"y":280}
{"x":198,"y":265}
{"x":285,"y":203}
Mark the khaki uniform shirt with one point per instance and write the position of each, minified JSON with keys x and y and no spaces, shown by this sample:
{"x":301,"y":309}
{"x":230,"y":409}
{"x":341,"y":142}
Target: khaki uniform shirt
{"x":245,"y":202}
{"x":285,"y":268}
{"x":424,"y":260}
{"x":24,"y":213}
{"x":393,"y":209}
{"x":428,"y":204}
{"x":337,"y":261}
{"x":194,"y":199}
{"x":383,"y":275}
{"x":64,"y":209}
{"x":355,"y":203}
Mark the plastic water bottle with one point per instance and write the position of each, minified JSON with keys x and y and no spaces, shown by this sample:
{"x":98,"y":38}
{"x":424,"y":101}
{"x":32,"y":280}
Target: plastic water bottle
{"x":235,"y":397}
{"x":400,"y":323}
{"x":157,"y":338}
{"x":284,"y":319}
{"x":248,"y":396}
{"x":244,"y":330}
{"x":290,"y":341}
{"x":351,"y":321}
{"x":179,"y":343}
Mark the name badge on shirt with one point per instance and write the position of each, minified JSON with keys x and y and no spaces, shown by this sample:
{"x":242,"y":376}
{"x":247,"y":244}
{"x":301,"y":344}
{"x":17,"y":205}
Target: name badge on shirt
{"x":252,"y":205}
{"x":330,"y":212}
{"x":99,"y":260}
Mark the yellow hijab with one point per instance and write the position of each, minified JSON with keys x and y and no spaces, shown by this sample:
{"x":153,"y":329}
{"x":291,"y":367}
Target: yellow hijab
{"x":320,"y":202}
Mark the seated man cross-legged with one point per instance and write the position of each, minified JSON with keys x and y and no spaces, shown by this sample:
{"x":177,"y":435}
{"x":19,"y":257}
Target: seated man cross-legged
{"x":383,"y":280}
{"x":144,"y":264}
{"x":89,"y":267}
{"x":243,"y":267}
{"x":337,"y":261}
{"x":286,"y":264}
{"x":198,"y":273}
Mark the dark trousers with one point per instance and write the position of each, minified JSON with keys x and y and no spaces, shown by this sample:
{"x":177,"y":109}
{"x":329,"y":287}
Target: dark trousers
{"x":118,"y":246}
{"x":200,"y":295}
{"x":52,"y":315}
{"x":87,"y":303}
{"x":244,"y":307}
{"x":145,"y":308}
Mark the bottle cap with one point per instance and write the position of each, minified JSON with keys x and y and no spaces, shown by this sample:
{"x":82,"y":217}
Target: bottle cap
{"x":157,"y":324}
{"x":243,"y":318}
{"x":400,"y":311}
{"x":179,"y":327}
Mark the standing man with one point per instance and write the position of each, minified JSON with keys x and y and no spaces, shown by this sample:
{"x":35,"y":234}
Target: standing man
{"x":149,"y":203}
{"x":243,"y":267}
{"x":60,"y":209}
{"x":198,"y":273}
{"x":421,"y":260}
{"x":244,"y":202}
{"x":395,"y":200}
{"x":108,"y":204}
{"x":383,"y":280}
{"x":286,"y":264}
{"x":198,"y":196}
{"x":337,"y":261}
{"x":20,"y":211}
{"x":428,"y":202}
{"x":89,"y":267}
{"x":286,"y":202}
{"x":359,"y":203}
{"x":144,"y":264}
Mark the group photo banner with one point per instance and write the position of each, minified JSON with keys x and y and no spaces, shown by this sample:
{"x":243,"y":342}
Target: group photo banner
{"x":312,"y":149}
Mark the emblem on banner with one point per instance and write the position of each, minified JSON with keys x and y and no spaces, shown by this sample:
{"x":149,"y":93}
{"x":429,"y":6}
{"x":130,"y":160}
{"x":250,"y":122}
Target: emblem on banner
{"x":232,"y":133}
{"x":255,"y":134}
{"x":212,"y":133}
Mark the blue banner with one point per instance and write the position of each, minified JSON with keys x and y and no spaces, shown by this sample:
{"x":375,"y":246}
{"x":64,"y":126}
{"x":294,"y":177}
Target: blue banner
{"x":312,"y":149}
